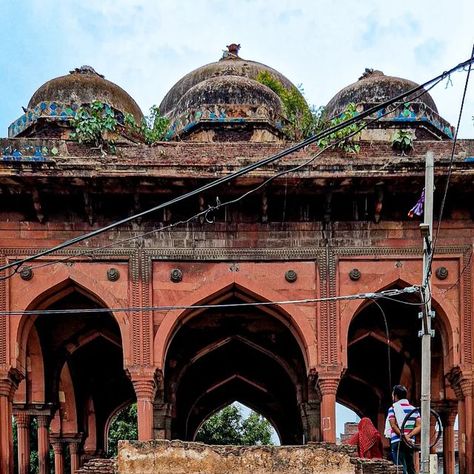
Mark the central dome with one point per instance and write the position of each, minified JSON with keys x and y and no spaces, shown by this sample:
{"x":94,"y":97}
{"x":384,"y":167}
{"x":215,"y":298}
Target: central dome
{"x":225,"y":101}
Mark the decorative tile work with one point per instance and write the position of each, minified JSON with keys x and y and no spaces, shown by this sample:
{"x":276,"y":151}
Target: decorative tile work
{"x":222,"y":114}
{"x":51,"y":110}
{"x":411,"y":113}
{"x":26,"y":151}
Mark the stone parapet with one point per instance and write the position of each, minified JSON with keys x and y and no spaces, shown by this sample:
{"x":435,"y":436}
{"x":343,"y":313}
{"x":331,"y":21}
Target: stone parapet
{"x":178,"y":457}
{"x":99,"y":466}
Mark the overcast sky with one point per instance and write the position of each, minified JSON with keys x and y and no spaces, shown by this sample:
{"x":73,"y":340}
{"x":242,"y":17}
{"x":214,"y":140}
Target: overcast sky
{"x":146,"y":46}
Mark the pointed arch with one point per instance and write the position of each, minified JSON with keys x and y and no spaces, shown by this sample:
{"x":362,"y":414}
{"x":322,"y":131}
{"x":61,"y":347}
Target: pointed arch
{"x":247,"y":404}
{"x":249,"y":291}
{"x":31,"y":388}
{"x":444,"y":319}
{"x":110,"y":419}
{"x":54,"y":286}
{"x":65,"y":419}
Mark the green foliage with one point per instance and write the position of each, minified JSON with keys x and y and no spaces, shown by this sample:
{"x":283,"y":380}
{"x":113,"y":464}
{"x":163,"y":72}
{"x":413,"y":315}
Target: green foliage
{"x":402,"y":140}
{"x":303,"y":121}
{"x":153,"y":127}
{"x":124,"y":426}
{"x":93,"y":125}
{"x":229,"y":427}
{"x":299,"y":117}
{"x":343,"y":136}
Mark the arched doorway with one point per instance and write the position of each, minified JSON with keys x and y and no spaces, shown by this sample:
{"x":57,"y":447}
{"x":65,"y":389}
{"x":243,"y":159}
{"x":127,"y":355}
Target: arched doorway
{"x":79,"y":379}
{"x":244,"y":354}
{"x":384,"y":349}
{"x":237,"y":424}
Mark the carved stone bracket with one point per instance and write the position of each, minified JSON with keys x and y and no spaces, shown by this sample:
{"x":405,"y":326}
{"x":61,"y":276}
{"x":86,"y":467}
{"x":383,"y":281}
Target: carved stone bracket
{"x":9,"y":384}
{"x":328,"y":386}
{"x":23,"y":419}
{"x":146,"y":382}
{"x":460,"y":382}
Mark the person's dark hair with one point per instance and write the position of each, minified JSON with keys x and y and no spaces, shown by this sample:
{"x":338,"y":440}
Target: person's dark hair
{"x":400,"y":392}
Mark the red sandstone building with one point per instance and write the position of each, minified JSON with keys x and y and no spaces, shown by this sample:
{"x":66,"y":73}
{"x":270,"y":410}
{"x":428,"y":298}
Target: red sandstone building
{"x":338,"y":226}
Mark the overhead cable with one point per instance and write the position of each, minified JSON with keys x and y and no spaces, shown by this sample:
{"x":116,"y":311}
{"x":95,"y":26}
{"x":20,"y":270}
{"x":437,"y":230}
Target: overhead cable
{"x":451,"y":160}
{"x":212,"y":208}
{"x":358,"y":296}
{"x":245,"y":170}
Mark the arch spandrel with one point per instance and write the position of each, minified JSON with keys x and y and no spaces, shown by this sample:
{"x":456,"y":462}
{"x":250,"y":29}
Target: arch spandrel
{"x":294,"y":318}
{"x":44,"y":290}
{"x":446,"y":312}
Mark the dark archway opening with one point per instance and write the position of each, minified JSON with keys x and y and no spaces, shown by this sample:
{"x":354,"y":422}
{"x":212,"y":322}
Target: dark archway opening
{"x":377,"y":362}
{"x":85,"y":380}
{"x":245,"y":354}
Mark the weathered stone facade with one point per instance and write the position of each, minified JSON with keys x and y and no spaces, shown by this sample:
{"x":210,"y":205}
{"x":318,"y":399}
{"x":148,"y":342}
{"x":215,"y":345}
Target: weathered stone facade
{"x":173,"y":311}
{"x":176,"y":457}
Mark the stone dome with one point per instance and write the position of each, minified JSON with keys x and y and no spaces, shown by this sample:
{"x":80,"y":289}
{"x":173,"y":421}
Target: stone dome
{"x":83,"y":86}
{"x":237,"y":91}
{"x":231,"y":64}
{"x":226,"y":95}
{"x":374,"y":87}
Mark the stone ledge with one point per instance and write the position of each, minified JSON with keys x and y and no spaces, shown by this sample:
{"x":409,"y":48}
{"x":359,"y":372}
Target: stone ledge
{"x":178,"y":457}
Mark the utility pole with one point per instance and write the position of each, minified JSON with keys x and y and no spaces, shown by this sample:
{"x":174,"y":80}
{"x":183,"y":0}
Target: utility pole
{"x":426,"y":315}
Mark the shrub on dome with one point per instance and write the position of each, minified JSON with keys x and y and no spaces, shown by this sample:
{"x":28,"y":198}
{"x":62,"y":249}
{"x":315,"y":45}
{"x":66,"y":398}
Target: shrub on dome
{"x":154,"y":127}
{"x":95,"y":124}
{"x":303,"y":121}
{"x":299,"y":117}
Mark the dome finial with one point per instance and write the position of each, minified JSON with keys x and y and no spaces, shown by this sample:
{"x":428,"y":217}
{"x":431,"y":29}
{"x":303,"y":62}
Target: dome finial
{"x":232,"y":51}
{"x":370,"y":72}
{"x":85,"y":70}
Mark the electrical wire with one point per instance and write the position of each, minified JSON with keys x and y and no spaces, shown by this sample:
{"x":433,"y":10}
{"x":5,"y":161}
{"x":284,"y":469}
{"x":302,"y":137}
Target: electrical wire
{"x":89,"y":252}
{"x":448,"y":178}
{"x":371,"y":296}
{"x":245,"y":170}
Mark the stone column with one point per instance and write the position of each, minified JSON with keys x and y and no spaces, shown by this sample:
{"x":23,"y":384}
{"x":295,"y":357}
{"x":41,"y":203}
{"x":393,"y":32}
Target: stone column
{"x":469,"y":414}
{"x":162,"y":420}
{"x":43,"y":443}
{"x":145,"y":391}
{"x":311,"y":416}
{"x":58,"y":456}
{"x":74,"y":454}
{"x":23,"y":429}
{"x":447,"y":418}
{"x":328,"y":388}
{"x":462,"y":437}
{"x":7,"y":389}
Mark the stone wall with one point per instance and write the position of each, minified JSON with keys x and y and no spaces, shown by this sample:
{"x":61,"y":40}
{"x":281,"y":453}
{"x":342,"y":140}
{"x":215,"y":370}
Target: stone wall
{"x":98,"y":466}
{"x":177,"y":457}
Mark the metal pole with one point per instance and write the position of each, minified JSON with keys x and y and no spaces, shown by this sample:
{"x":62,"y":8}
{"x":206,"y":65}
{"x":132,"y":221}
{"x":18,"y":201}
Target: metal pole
{"x":426,"y":332}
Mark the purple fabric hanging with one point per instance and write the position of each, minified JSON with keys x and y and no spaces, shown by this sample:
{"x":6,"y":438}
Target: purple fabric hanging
{"x":417,"y":209}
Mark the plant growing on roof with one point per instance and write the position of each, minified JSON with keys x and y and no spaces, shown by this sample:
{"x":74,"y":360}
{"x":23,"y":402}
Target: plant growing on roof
{"x":93,"y":125}
{"x":153,"y":128}
{"x":402,"y":140}
{"x":303,"y":121}
{"x":298,"y":115}
{"x":343,"y":137}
